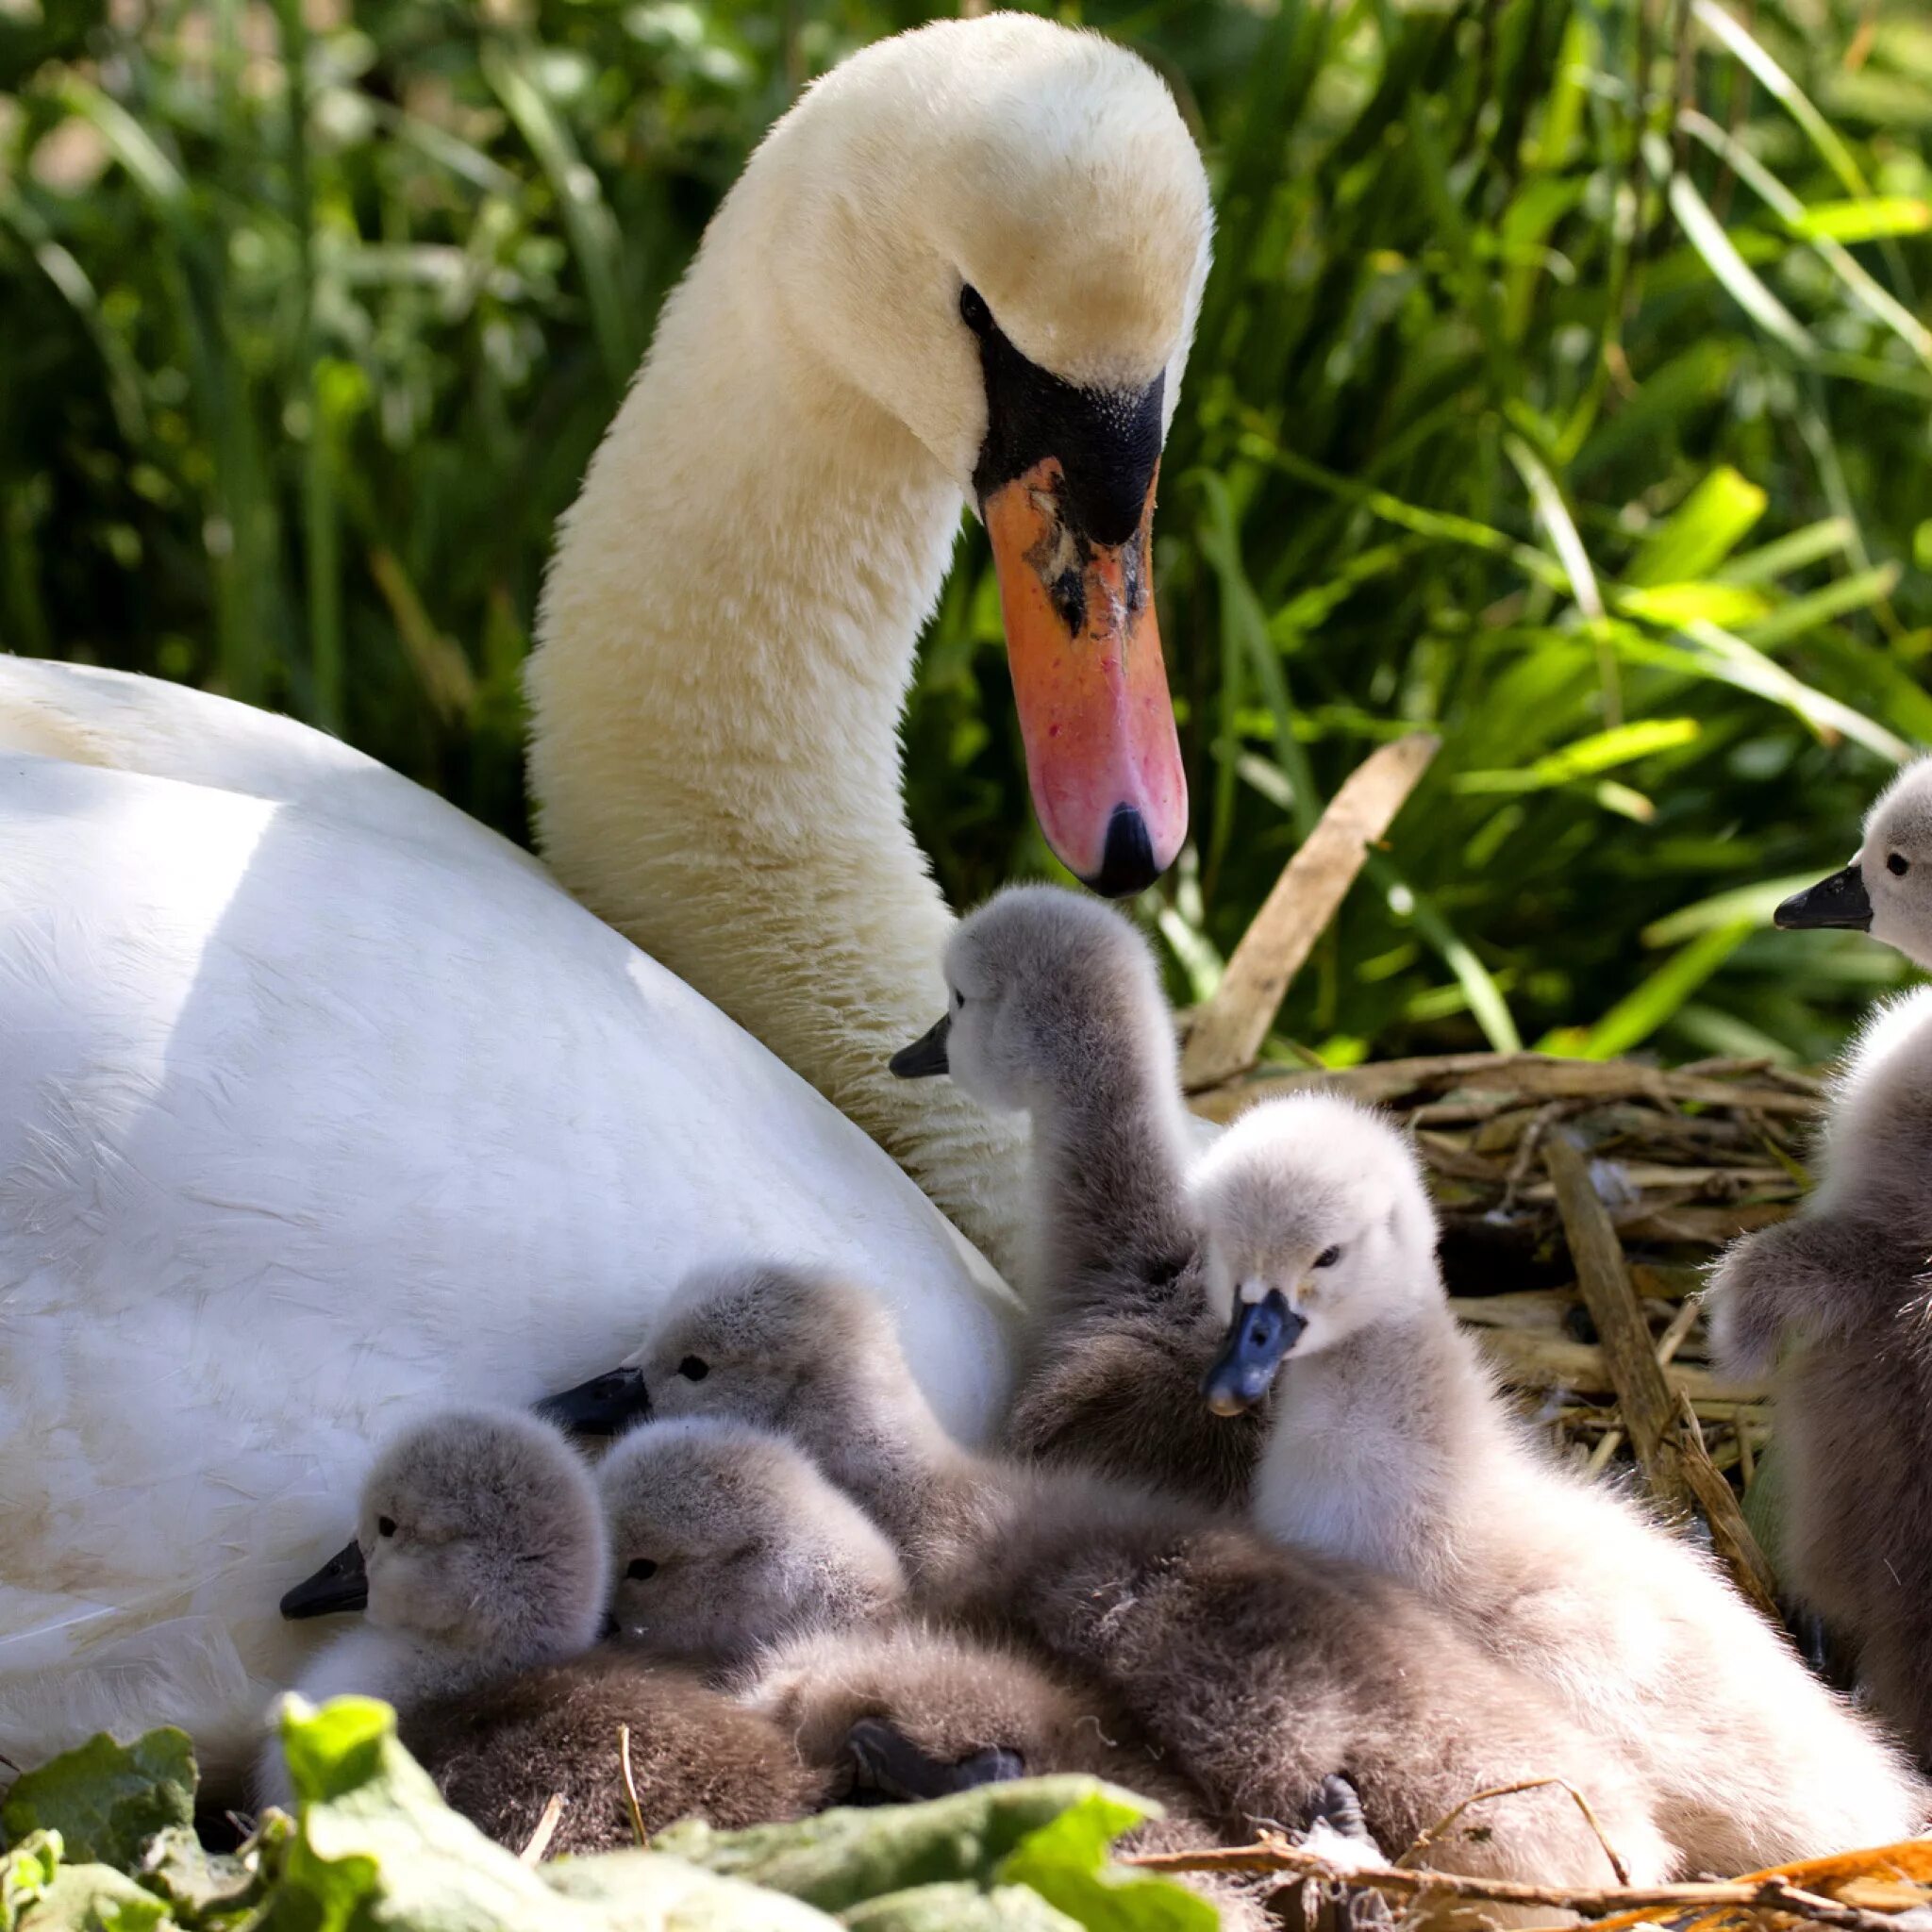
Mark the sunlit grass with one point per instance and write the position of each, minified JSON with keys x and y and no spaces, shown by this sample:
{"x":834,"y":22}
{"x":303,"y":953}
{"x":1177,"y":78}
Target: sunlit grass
{"x":1564,"y":386}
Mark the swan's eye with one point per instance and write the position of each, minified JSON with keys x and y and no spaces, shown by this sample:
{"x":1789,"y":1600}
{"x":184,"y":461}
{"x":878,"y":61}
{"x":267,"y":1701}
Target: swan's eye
{"x":639,"y":1568}
{"x":973,"y":311}
{"x":385,"y":1526}
{"x":1327,"y":1257}
{"x":694,"y":1368}
{"x":1898,"y":865}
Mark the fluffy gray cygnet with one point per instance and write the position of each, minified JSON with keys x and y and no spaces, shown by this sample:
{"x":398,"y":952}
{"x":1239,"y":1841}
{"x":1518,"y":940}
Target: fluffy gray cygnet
{"x":484,"y":1550}
{"x":1257,"y":1671}
{"x":488,"y":1568}
{"x":725,"y":1539}
{"x":1056,"y":1010}
{"x":1392,"y":1445}
{"x":1843,"y":1293}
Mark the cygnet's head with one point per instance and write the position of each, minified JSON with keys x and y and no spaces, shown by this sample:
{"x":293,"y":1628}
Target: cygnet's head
{"x":998,"y":229}
{"x":725,"y":1538}
{"x":1045,"y":988}
{"x":1887,"y":889}
{"x":1316,"y":1225}
{"x":791,"y":1350}
{"x":480,"y":1530}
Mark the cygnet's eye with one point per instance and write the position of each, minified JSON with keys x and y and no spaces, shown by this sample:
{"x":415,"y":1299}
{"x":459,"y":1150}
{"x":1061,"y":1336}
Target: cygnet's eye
{"x":1897,"y":864}
{"x":958,"y":1000}
{"x":385,"y":1526}
{"x":973,"y":311}
{"x":694,"y":1368}
{"x":639,"y":1567}
{"x":1327,"y":1257}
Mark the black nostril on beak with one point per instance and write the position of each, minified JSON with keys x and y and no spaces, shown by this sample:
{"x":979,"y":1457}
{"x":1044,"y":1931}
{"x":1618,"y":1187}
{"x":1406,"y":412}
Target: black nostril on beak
{"x":1127,"y":866}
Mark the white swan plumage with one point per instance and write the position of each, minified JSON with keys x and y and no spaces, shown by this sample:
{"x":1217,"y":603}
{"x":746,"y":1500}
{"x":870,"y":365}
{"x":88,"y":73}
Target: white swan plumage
{"x":320,"y":1104}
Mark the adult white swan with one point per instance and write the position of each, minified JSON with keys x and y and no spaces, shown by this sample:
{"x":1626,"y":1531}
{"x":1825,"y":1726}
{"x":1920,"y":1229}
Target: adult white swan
{"x":316,"y":1099}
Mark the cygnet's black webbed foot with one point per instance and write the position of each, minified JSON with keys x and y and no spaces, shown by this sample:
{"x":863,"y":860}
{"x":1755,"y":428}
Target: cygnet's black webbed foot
{"x":1338,"y":1831}
{"x":884,"y":1767}
{"x":1338,"y":1806}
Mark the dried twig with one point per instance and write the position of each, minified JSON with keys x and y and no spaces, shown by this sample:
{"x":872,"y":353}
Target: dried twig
{"x":631,"y":1787}
{"x":1675,"y":1465}
{"x":1435,"y":1832}
{"x":1618,"y":1905}
{"x":1227,"y":1031}
{"x":532,"y":1854}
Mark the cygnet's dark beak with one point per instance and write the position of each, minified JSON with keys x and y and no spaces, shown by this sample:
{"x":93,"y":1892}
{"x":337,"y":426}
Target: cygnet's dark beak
{"x":340,"y":1584}
{"x":604,"y":1406}
{"x":927,"y":1055}
{"x":1259,"y":1336}
{"x":1840,"y":901}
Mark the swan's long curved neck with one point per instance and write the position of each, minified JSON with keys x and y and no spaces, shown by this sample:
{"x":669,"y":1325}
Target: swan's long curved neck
{"x":727,"y":641}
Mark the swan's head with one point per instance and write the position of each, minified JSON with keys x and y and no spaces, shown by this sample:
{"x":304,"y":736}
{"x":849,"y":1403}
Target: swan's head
{"x":724,"y":1537}
{"x":791,"y":1350}
{"x":1316,"y":1225}
{"x":998,"y":229}
{"x":480,"y":1530}
{"x":1887,"y":889}
{"x":1046,"y":992}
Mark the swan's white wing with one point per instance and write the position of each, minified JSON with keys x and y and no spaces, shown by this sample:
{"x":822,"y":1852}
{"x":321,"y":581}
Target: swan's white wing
{"x":145,"y":726}
{"x":303,"y":1128}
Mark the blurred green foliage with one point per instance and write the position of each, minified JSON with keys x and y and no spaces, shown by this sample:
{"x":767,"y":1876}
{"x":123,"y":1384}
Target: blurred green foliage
{"x":1564,"y":386}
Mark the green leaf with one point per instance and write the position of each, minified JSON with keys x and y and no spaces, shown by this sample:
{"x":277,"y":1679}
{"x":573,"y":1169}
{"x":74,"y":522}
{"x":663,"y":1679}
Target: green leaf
{"x":637,"y":1888}
{"x":200,"y":1885}
{"x":91,"y":1898}
{"x":1705,"y":234}
{"x":1640,"y":1013}
{"x":958,"y":1907}
{"x":1700,"y":533}
{"x":1586,"y":757}
{"x":1709,"y":603}
{"x":375,"y":1845}
{"x":1066,"y":1861}
{"x":104,"y":1799}
{"x":25,"y":1872}
{"x":838,"y":1858}
{"x":1868,"y":220}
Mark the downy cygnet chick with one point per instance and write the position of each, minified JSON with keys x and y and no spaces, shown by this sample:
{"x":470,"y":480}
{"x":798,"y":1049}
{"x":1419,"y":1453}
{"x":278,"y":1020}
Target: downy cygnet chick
{"x":730,"y":1547}
{"x":484,"y":1551}
{"x":725,"y":1539}
{"x":487,"y":1564}
{"x":1055,"y":1009}
{"x":1847,"y":1284}
{"x":1392,"y":1446}
{"x":1259,"y":1671}
{"x":913,"y":1710}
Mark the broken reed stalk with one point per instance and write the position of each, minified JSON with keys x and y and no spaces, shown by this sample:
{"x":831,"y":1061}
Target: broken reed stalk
{"x":1675,"y":1467}
{"x":1769,"y":1892}
{"x":1227,"y":1031}
{"x":532,"y":1854}
{"x":1668,"y":1343}
{"x":630,"y":1787}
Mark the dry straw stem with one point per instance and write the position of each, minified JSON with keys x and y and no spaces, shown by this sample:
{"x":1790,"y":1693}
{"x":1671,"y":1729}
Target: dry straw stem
{"x":1225,"y":1037}
{"x":532,"y":1854}
{"x":1674,"y":1461}
{"x":1788,"y":1892}
{"x":631,"y":1787}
